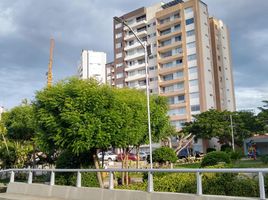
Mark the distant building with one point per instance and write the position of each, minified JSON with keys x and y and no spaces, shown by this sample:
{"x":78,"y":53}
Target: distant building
{"x":92,"y":65}
{"x":1,"y":111}
{"x":110,"y":73}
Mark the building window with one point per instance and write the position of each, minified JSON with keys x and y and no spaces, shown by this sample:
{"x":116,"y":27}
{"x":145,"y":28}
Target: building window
{"x":118,"y":55}
{"x":191,"y":57}
{"x":118,"y":45}
{"x":118,"y":25}
{"x":194,"y":95}
{"x":119,"y":65}
{"x":165,"y":32}
{"x":176,"y":15}
{"x":178,"y":38}
{"x":189,"y":21}
{"x":118,"y":35}
{"x":188,"y":10}
{"x":119,"y":75}
{"x":178,"y":62}
{"x":152,"y":68}
{"x":177,"y":27}
{"x":190,"y":33}
{"x":141,"y":18}
{"x":191,"y":45}
{"x":162,"y":21}
{"x":193,"y":70}
{"x":165,"y":43}
{"x":193,"y":83}
{"x":195,"y":108}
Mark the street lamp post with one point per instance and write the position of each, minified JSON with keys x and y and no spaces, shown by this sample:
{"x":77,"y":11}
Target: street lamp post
{"x":144,"y":45}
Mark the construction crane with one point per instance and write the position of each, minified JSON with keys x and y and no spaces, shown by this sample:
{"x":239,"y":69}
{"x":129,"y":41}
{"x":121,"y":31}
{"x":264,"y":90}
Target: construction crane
{"x":49,"y":73}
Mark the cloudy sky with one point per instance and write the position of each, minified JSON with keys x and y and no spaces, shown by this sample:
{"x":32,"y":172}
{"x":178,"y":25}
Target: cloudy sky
{"x":26,"y":26}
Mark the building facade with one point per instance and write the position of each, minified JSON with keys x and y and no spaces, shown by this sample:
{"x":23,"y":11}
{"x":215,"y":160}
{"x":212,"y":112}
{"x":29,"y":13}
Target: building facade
{"x":190,"y":62}
{"x":224,"y":84}
{"x":92,"y":65}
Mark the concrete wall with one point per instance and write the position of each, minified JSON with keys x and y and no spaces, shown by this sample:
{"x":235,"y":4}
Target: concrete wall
{"x":74,"y":193}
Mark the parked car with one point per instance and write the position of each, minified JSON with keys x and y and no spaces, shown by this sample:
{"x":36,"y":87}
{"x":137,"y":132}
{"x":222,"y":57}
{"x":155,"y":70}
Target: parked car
{"x":131,"y":156}
{"x":107,"y":156}
{"x":143,"y":155}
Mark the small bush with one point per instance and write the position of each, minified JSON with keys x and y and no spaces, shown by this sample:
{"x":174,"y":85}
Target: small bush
{"x":163,"y":155}
{"x":210,"y":150}
{"x":226,"y":148}
{"x":213,"y":158}
{"x":237,"y":155}
{"x":264,"y":159}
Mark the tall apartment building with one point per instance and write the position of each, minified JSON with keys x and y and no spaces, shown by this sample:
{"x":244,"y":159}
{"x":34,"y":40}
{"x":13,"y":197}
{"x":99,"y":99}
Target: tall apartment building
{"x":190,"y":62}
{"x":92,"y":65}
{"x":224,"y":86}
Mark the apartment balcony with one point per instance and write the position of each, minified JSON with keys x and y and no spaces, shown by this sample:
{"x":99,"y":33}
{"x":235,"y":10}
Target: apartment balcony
{"x":135,"y":45}
{"x":169,"y":58}
{"x":169,"y":70}
{"x":168,"y":47}
{"x":135,"y":77}
{"x":134,"y":56}
{"x":172,"y":93}
{"x":171,"y":82}
{"x":178,"y":105}
{"x":169,"y":35}
{"x":139,"y":34}
{"x":178,"y":117}
{"x":134,"y":67}
{"x":136,"y":24}
{"x":169,"y":24}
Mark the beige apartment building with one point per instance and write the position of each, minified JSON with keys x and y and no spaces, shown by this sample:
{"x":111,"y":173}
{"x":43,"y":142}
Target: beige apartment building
{"x":190,"y":62}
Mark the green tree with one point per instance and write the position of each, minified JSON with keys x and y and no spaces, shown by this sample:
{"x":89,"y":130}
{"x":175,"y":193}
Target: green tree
{"x":17,"y":130}
{"x":215,"y":123}
{"x":84,"y":116}
{"x":263,"y":115}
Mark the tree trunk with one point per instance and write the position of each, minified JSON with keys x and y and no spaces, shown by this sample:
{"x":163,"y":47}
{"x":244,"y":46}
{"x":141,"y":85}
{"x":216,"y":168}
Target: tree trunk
{"x":97,"y":166}
{"x":138,"y":158}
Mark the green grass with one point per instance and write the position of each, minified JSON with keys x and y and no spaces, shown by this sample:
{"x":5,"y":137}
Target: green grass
{"x":249,"y":164}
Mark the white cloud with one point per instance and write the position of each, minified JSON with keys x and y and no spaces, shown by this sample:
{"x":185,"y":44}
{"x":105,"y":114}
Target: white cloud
{"x":250,"y":98}
{"x":6,"y":21}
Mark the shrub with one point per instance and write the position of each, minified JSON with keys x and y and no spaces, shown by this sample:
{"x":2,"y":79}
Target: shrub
{"x":214,"y":158}
{"x":237,"y":155}
{"x":264,"y":159}
{"x":163,"y":155}
{"x":210,"y":150}
{"x":226,"y":148}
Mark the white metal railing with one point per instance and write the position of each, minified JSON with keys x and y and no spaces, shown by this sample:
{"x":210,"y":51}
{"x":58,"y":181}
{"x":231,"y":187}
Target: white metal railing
{"x":198,"y":172}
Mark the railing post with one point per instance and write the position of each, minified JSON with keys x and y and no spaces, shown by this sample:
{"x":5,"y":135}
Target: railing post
{"x":12,"y":177}
{"x":199,"y":183}
{"x":52,"y":178}
{"x":150,"y":182}
{"x":30,"y":177}
{"x":78,"y":179}
{"x":111,"y":180}
{"x":261,"y":186}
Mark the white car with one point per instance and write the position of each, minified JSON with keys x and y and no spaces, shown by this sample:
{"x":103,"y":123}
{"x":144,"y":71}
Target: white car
{"x":107,"y":156}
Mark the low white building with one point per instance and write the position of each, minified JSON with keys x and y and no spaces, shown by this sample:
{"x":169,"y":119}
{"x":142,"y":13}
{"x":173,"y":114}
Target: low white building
{"x":92,"y":65}
{"x":1,"y":111}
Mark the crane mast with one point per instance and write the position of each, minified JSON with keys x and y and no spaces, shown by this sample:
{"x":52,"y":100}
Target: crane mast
{"x":49,"y":73}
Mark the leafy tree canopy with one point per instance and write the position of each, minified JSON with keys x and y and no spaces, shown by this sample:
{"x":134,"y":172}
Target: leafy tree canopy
{"x":214,"y":123}
{"x":80,"y":115}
